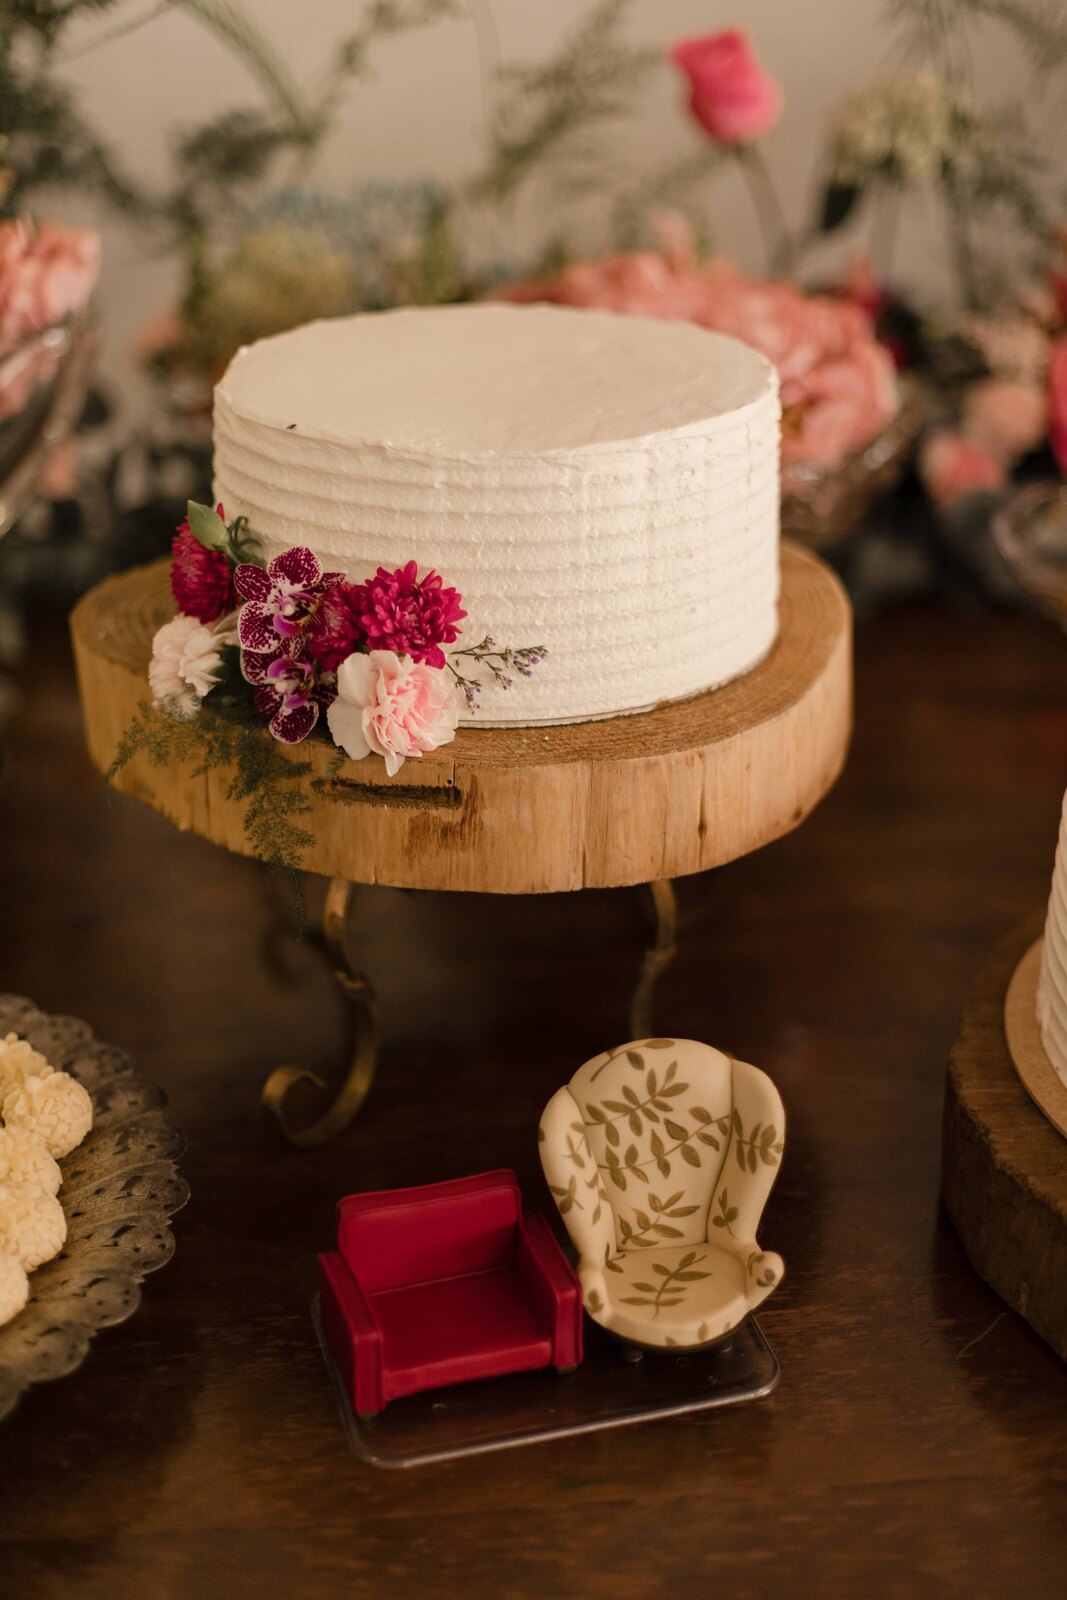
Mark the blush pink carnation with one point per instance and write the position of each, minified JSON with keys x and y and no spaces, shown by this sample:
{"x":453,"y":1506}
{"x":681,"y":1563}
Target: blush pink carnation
{"x":201,"y":579}
{"x":391,"y":706}
{"x":730,"y":95}
{"x":1057,"y":401}
{"x":952,"y":467}
{"x":412,"y":616}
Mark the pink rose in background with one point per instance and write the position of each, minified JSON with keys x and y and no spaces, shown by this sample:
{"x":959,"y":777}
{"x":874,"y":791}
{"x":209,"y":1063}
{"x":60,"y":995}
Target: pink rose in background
{"x":730,"y":95}
{"x":952,"y":467}
{"x":1057,"y":401}
{"x":391,"y":706}
{"x":45,"y":274}
{"x":1005,"y":417}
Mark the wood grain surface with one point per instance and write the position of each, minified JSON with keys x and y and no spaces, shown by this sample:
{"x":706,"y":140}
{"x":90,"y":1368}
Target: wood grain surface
{"x":1005,"y":1163}
{"x":915,"y":1448}
{"x":527,"y":810}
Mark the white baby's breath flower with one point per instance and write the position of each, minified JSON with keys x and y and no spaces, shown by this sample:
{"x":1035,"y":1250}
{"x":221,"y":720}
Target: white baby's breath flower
{"x":185,"y":664}
{"x":905,"y":129}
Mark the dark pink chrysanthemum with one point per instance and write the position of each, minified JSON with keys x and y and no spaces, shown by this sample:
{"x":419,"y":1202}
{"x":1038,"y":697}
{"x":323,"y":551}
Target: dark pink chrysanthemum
{"x":202,"y":580}
{"x":398,"y":611}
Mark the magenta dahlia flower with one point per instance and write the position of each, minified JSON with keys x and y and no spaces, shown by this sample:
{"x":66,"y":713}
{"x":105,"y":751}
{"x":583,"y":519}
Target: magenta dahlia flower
{"x":398,"y":611}
{"x":281,"y":602}
{"x":202,"y":580}
{"x":288,"y":692}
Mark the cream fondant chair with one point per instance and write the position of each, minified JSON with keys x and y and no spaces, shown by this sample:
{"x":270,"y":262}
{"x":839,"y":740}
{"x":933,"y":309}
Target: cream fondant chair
{"x":660,"y":1155}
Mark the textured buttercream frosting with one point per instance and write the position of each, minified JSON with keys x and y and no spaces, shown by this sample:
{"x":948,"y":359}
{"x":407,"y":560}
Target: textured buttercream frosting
{"x":1052,"y":981}
{"x":604,"y":486}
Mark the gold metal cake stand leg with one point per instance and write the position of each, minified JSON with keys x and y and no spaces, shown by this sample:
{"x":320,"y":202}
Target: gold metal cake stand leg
{"x":658,"y":956}
{"x":363,"y":1014}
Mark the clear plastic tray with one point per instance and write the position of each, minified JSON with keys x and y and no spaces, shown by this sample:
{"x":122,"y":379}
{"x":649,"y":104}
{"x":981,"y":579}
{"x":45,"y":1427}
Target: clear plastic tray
{"x":606,"y":1391}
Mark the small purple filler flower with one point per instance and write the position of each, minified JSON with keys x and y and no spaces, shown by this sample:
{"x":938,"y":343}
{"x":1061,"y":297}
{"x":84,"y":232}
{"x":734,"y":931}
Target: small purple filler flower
{"x":411,"y":616}
{"x":287,"y":690}
{"x":281,"y":601}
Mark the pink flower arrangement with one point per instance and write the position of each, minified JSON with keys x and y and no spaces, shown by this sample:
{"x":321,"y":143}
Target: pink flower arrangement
{"x":308,"y":641}
{"x":391,"y":706}
{"x":730,"y":95}
{"x":838,"y":383}
{"x":45,"y":274}
{"x":200,"y":579}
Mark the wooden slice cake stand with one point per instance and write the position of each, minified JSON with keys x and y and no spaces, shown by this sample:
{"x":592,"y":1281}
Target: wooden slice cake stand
{"x":1005,"y":1162}
{"x":634,"y":800}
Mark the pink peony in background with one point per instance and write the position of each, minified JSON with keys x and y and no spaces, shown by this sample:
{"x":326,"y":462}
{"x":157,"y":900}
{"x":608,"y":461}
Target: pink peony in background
{"x":838,"y":382}
{"x":391,"y":706}
{"x":730,"y":95}
{"x":45,"y":274}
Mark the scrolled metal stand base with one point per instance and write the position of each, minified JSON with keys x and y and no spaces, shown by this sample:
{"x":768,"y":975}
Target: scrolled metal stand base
{"x":362,"y":1005}
{"x":363,"y":1013}
{"x":658,"y":956}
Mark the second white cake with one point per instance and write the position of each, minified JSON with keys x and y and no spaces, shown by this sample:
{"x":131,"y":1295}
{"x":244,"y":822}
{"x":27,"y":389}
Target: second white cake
{"x":602,"y":486}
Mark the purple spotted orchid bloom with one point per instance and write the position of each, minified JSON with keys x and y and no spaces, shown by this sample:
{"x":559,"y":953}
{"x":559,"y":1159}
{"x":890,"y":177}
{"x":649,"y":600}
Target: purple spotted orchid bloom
{"x":280,"y":601}
{"x":288,"y":692}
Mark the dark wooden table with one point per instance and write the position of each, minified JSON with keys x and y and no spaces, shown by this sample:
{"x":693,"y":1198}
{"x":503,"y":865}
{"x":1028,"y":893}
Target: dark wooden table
{"x":917,"y":1444}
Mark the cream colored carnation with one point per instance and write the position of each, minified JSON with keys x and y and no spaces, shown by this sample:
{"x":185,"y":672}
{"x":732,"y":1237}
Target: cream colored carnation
{"x":24,"y":1158}
{"x":18,"y":1059}
{"x":32,"y":1225}
{"x":14,"y":1287}
{"x":56,"y":1109}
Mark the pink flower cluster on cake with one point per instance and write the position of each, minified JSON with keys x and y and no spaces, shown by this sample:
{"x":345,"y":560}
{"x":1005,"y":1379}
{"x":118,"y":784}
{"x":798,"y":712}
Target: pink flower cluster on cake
{"x":306,"y":643}
{"x":838,"y":383}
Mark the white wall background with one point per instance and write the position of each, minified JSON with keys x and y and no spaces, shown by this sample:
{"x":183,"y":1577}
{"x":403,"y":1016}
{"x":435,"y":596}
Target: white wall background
{"x":422,"y":113}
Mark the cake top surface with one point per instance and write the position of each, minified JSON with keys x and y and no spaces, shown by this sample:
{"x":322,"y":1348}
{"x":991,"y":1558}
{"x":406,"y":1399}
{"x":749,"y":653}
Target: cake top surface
{"x":493,"y":380}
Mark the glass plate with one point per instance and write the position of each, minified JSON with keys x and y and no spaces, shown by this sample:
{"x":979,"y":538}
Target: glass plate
{"x":119,"y":1188}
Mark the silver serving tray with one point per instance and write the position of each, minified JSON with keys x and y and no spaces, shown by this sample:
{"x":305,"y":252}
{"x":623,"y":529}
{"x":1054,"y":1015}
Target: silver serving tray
{"x":119,"y":1188}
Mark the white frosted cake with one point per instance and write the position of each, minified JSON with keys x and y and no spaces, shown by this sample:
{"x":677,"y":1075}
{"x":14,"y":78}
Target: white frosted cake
{"x":602,"y":486}
{"x":1052,"y":982}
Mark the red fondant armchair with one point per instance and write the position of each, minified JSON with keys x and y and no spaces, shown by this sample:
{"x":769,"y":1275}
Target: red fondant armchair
{"x":443,"y":1283}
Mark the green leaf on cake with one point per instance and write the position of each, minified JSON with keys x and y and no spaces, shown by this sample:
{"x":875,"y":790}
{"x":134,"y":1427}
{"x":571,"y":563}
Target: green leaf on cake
{"x":206,"y":526}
